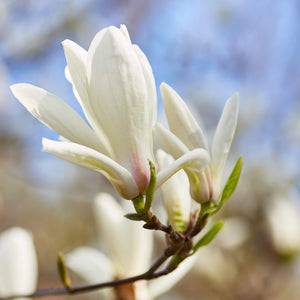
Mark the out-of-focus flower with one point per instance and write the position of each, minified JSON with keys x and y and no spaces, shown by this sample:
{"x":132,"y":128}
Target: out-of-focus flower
{"x":283,"y":223}
{"x":4,"y":82}
{"x":217,"y":261}
{"x":175,"y":194}
{"x":18,"y":263}
{"x":128,"y":253}
{"x":115,"y":87}
{"x":186,"y":135}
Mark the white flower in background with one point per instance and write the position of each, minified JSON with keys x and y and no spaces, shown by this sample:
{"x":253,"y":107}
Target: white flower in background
{"x":175,"y":194}
{"x":217,"y":261}
{"x":115,"y":87}
{"x":128,"y":253}
{"x":18,"y":263}
{"x":283,"y":224}
{"x":186,"y":135}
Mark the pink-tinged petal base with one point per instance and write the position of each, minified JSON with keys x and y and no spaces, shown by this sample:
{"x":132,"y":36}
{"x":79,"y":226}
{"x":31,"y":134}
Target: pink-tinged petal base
{"x":140,"y":172}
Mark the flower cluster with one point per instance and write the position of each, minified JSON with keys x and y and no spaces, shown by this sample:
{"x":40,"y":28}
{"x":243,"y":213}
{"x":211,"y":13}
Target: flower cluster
{"x":114,"y":85}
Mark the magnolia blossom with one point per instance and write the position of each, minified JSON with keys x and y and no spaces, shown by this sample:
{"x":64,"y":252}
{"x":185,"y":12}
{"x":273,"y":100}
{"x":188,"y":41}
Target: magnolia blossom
{"x":187,"y":135}
{"x":128,"y":249}
{"x":283,"y":224}
{"x":175,"y":194}
{"x":115,"y":87}
{"x":18,"y":263}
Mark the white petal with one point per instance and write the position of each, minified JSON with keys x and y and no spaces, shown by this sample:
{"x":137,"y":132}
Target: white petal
{"x":122,"y":237}
{"x":149,"y":78}
{"x":222,"y":142}
{"x":92,"y":266}
{"x":18,"y":263}
{"x":195,"y":160}
{"x":125,"y":32}
{"x":56,"y":114}
{"x":67,"y":75}
{"x":175,"y":194}
{"x":75,"y":72}
{"x":180,"y":119}
{"x":86,"y":157}
{"x":119,"y":97}
{"x":284,"y":234}
{"x":161,"y":285}
{"x":171,"y":143}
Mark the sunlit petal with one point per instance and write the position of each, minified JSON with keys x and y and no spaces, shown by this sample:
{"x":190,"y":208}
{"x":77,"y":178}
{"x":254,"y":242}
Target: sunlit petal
{"x":170,"y":142}
{"x":150,"y":82}
{"x":180,"y":119}
{"x":119,"y":97}
{"x":76,"y":58}
{"x":83,"y":156}
{"x":222,"y":141}
{"x":56,"y":114}
{"x":196,"y":160}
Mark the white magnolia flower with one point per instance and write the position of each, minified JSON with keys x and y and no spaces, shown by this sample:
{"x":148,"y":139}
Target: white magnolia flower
{"x":115,"y":87}
{"x":283,"y":224}
{"x":186,"y":135}
{"x":18,"y":263}
{"x":128,"y":253}
{"x":175,"y":194}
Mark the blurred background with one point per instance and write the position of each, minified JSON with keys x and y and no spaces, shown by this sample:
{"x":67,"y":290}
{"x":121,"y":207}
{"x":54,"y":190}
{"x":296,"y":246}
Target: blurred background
{"x":206,"y":50}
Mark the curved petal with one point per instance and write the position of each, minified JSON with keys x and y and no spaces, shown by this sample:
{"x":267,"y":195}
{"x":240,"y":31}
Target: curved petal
{"x":171,"y":143}
{"x":175,"y":194}
{"x":163,"y":284}
{"x":56,"y":114}
{"x":76,"y":73}
{"x":122,"y":237}
{"x":180,"y":119}
{"x":195,"y":160}
{"x":150,"y":82}
{"x":119,"y":97}
{"x":222,"y":142}
{"x":86,"y":157}
{"x":92,"y":266}
{"x":18,"y":272}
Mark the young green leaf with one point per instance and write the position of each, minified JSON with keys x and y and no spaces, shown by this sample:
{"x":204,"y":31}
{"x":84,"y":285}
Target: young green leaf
{"x":230,"y":184}
{"x":209,"y":236}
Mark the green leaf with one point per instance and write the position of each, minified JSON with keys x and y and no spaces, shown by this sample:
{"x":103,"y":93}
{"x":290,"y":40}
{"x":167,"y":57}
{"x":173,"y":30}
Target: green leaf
{"x":151,"y":187}
{"x":209,"y":236}
{"x":230,"y":185}
{"x":134,"y":217}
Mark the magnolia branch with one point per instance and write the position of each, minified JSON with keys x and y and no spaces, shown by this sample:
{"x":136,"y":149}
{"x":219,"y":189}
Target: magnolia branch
{"x":152,"y":273}
{"x":179,"y":246}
